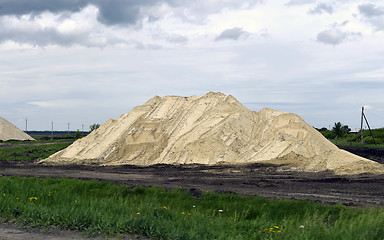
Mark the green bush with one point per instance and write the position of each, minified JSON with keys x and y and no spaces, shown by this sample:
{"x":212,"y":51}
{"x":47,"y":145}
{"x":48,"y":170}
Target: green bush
{"x":369,"y":140}
{"x":78,"y":134}
{"x":353,"y":138}
{"x":329,"y":134}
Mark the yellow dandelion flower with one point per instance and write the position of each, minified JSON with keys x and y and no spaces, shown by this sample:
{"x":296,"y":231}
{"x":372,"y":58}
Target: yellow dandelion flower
{"x":275,"y":226}
{"x":17,"y":198}
{"x":278,"y":231}
{"x":138,"y":213}
{"x":4,"y":194}
{"x":182,"y":212}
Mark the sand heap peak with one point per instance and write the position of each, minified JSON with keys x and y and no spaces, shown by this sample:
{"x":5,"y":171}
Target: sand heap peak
{"x":8,"y":131}
{"x":210,"y":129}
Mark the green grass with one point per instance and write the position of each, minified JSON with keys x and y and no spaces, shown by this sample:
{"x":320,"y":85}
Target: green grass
{"x":346,"y":143}
{"x":37,"y":140}
{"x":103,"y":208}
{"x":30,"y":152}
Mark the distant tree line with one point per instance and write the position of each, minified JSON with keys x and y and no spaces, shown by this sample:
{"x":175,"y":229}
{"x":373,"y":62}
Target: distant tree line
{"x":342,"y":132}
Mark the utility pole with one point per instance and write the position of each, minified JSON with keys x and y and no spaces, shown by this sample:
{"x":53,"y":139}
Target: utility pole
{"x":363,"y":116}
{"x":26,"y":125}
{"x":82,"y":128}
{"x":52,"y":133}
{"x":68,"y":128}
{"x":361,"y":128}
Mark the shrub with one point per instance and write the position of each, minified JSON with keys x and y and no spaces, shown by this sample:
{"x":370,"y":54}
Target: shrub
{"x":78,"y":134}
{"x":329,"y":134}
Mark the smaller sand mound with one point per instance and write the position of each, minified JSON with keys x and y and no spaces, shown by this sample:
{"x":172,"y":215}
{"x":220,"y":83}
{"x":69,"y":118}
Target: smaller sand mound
{"x":8,"y":131}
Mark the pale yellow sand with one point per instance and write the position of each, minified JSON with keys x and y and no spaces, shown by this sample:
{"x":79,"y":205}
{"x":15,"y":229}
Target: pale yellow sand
{"x":210,"y":129}
{"x":8,"y":131}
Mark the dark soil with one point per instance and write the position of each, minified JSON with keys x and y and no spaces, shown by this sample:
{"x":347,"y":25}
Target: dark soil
{"x":375,"y":154}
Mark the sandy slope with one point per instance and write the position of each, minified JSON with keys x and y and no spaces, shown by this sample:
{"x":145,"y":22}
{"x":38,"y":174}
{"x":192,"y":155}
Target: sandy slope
{"x":8,"y":131}
{"x":210,"y":129}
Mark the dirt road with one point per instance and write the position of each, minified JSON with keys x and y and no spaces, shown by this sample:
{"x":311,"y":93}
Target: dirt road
{"x":11,"y":231}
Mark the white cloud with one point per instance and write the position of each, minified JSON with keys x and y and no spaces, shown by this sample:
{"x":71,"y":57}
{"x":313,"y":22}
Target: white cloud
{"x":300,"y":2}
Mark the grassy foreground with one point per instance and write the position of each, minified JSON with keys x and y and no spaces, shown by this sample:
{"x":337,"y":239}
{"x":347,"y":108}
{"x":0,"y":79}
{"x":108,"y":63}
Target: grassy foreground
{"x":107,"y":209}
{"x":30,"y":152}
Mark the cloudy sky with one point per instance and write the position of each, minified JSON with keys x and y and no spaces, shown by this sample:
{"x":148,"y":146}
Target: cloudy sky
{"x":83,"y":61}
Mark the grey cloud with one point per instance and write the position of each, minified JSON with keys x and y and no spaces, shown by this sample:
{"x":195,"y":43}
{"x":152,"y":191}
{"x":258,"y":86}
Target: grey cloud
{"x":122,"y":11}
{"x":344,"y":23}
{"x":331,"y":36}
{"x":336,"y":36}
{"x":118,"y":11}
{"x":21,"y":7}
{"x":370,"y":10}
{"x":321,"y":8}
{"x":111,"y":12}
{"x":372,"y":14}
{"x":232,"y":34}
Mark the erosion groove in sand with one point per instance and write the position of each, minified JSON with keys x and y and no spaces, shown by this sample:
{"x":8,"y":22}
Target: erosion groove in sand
{"x":210,"y":129}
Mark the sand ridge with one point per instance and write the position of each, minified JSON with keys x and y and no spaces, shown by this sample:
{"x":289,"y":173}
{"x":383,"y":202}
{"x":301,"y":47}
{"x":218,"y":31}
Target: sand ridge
{"x":210,"y":129}
{"x":8,"y":131}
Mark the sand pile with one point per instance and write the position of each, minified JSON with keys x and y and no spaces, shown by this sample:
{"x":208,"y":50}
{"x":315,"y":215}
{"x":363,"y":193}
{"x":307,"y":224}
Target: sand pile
{"x":210,"y":129}
{"x":8,"y":131}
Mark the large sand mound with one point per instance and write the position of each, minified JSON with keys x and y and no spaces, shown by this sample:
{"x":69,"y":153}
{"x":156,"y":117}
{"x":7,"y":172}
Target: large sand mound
{"x":210,"y":129}
{"x":8,"y":131}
